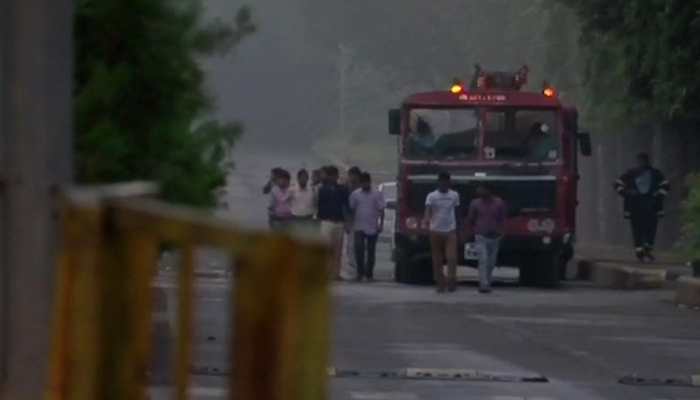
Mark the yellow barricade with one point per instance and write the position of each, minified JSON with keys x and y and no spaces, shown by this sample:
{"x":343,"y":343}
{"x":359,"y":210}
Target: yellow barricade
{"x":103,"y":321}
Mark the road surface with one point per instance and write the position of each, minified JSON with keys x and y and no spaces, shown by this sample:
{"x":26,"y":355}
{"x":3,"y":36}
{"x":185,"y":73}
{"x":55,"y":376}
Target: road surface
{"x":582,"y":339}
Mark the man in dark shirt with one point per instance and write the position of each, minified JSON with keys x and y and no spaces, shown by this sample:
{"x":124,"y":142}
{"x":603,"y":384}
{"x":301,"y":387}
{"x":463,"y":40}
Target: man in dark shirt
{"x":332,"y":212}
{"x":644,"y":189}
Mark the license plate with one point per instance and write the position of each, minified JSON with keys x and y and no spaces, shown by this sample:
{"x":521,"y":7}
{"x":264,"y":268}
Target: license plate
{"x":472,"y":251}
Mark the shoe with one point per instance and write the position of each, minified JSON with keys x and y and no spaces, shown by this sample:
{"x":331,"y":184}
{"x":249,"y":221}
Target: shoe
{"x":650,"y":257}
{"x":484,"y":290}
{"x":452,"y":288}
{"x":370,"y":279}
{"x":649,"y":254}
{"x":640,"y":253}
{"x":440,"y":289}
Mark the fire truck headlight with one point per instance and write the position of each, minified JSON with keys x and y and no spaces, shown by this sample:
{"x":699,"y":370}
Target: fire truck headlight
{"x":412,"y":223}
{"x":548,"y":225}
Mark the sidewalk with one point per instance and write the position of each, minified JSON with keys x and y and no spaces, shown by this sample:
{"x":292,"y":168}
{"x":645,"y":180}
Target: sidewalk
{"x":617,"y":268}
{"x":625,"y":254}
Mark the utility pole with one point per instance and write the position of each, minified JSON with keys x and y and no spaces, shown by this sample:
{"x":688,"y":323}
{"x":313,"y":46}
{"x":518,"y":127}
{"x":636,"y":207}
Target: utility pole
{"x":35,"y":162}
{"x":342,"y":69}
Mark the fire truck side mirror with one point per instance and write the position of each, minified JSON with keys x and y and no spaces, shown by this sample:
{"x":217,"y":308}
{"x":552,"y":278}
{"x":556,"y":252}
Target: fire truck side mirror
{"x":395,"y":122}
{"x":584,"y":140}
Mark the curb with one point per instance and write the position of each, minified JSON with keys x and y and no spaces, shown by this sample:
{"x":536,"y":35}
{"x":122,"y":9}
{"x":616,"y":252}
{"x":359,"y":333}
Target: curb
{"x":686,"y":381}
{"x":688,"y":293}
{"x":435,"y":374}
{"x":613,"y":275}
{"x":421,"y":374}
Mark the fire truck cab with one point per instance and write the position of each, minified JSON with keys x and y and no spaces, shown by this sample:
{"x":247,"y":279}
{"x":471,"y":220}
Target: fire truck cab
{"x":524,"y":144}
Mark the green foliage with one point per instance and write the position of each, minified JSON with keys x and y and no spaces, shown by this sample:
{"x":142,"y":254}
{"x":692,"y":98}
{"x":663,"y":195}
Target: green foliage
{"x":643,"y":57}
{"x":691,"y":216}
{"x":141,"y":110}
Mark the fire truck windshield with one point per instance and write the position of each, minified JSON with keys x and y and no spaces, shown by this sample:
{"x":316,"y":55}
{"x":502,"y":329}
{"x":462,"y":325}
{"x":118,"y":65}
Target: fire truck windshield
{"x":521,"y":134}
{"x":503,"y":133}
{"x":443,"y":134}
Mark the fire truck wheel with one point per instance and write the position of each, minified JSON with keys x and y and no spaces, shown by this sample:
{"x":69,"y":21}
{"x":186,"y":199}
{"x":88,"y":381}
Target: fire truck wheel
{"x":549,"y":269}
{"x":567,"y":255}
{"x":528,"y":271}
{"x":413,"y":270}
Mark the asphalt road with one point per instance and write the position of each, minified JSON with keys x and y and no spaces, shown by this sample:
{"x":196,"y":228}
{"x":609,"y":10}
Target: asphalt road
{"x":582,"y":339}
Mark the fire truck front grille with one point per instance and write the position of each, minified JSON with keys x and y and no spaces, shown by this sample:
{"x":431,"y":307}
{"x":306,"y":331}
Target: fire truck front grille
{"x":521,"y":197}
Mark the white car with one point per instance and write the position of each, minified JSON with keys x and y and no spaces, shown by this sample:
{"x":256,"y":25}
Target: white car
{"x":389,"y":191}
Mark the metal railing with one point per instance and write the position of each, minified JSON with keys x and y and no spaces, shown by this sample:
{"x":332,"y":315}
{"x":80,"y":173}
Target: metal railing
{"x":103,"y":319}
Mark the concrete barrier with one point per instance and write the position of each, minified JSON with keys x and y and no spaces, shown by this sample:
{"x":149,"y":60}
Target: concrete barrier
{"x":688,"y":291}
{"x":621,"y":276}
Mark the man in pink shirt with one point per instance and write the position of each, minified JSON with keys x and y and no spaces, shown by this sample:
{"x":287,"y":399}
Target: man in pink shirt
{"x":486,"y":221}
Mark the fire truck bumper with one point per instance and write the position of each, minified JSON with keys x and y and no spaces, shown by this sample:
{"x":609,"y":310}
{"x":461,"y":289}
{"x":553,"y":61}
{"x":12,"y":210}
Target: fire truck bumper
{"x":512,"y":250}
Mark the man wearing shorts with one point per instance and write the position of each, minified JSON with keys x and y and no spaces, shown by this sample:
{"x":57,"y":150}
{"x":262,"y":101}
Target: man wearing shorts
{"x":440,"y":215}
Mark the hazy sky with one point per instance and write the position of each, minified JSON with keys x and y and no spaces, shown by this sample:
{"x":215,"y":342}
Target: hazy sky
{"x":264,"y":83}
{"x":283,"y":81}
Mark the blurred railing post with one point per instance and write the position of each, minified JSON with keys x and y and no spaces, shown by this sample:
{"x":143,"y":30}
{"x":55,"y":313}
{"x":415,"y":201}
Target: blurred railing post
{"x":103,"y":315}
{"x":35,"y":129}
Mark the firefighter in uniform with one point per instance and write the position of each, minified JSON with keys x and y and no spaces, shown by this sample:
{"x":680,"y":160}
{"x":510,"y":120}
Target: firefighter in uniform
{"x":644,"y":189}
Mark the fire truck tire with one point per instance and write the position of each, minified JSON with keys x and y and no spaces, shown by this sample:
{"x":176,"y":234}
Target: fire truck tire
{"x":549,"y":268}
{"x":566,"y":256}
{"x":528,"y":271}
{"x":413,"y":270}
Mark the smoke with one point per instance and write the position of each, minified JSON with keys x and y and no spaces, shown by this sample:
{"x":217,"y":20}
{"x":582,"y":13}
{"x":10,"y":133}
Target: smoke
{"x":326,"y":71}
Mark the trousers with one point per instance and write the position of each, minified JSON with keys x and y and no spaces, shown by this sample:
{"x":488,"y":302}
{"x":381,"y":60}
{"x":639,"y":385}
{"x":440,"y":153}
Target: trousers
{"x":488,"y":257}
{"x":644,"y":221}
{"x":365,"y":252}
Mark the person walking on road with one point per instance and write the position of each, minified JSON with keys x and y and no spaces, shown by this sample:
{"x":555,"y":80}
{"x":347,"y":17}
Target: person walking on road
{"x":440,"y":216}
{"x":303,"y":199}
{"x":281,"y":202}
{"x":267,"y":189}
{"x":367,"y":208}
{"x":486,"y":220}
{"x":332,"y":212}
{"x":271,"y":181}
{"x":349,"y":265}
{"x":644,"y":189}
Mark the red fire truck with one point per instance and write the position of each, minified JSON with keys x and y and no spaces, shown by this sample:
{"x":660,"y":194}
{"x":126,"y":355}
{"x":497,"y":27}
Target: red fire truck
{"x":524,"y":144}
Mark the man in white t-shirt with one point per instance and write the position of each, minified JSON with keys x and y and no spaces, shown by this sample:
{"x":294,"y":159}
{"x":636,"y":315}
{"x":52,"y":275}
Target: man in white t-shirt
{"x":440,"y":215}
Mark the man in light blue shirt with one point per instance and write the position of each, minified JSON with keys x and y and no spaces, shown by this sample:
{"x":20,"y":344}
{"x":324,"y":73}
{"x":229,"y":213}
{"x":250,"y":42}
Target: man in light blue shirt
{"x":367,"y":207}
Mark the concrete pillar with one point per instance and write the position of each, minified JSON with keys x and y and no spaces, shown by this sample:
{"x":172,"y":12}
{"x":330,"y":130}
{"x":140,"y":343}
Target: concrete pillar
{"x":35,"y":124}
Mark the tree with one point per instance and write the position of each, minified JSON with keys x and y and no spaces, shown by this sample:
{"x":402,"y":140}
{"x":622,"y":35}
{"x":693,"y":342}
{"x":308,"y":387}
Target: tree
{"x":643,"y":58}
{"x":648,"y":52}
{"x":141,"y":110}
